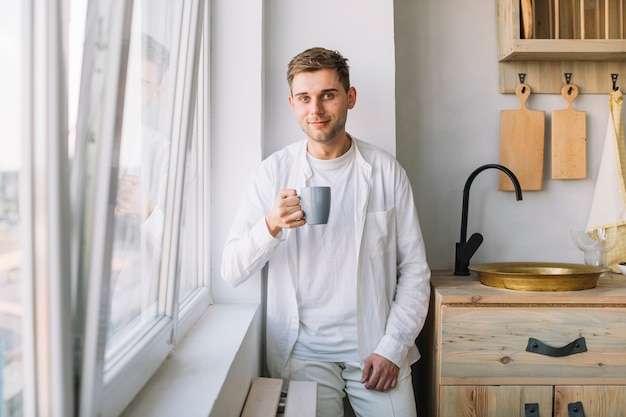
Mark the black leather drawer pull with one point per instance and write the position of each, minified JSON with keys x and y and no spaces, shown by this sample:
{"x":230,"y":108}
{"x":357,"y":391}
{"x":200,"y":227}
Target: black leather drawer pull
{"x":575,"y":409}
{"x":537,"y":346}
{"x":531,"y":410}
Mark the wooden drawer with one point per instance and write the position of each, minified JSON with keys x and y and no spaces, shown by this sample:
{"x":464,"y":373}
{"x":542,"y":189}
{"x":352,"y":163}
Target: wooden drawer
{"x":494,"y":401}
{"x":597,"y":401}
{"x":497,"y":401}
{"x":487,"y":345}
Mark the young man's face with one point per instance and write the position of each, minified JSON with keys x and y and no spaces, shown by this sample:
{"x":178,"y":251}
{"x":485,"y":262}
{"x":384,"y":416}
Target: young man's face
{"x":151,"y":86}
{"x":321,"y":104}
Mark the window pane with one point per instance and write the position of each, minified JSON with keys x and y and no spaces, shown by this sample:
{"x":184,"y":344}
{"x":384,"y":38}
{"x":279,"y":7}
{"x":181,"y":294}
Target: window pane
{"x":190,"y":259}
{"x":144,"y":158}
{"x":11,"y":372}
{"x":189,"y":269}
{"x":78,"y":10}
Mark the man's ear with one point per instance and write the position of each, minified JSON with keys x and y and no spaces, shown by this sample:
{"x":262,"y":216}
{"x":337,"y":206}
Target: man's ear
{"x":351,"y":97}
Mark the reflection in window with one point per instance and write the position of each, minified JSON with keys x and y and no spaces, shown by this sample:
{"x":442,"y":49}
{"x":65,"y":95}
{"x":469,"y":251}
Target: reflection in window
{"x":142,"y":185}
{"x":11,"y":371}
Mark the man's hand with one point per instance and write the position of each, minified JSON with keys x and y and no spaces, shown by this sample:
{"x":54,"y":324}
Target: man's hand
{"x":286,"y":213}
{"x":379,"y":373}
{"x":131,"y":199}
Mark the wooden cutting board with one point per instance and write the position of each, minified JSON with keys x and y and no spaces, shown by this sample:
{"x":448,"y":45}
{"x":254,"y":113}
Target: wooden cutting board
{"x":569,"y":139}
{"x":522,"y":144}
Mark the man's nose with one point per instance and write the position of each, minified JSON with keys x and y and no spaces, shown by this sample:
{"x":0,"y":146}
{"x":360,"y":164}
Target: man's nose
{"x":317,"y":106}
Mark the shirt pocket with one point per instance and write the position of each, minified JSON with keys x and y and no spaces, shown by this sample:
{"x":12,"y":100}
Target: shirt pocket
{"x":379,"y":236}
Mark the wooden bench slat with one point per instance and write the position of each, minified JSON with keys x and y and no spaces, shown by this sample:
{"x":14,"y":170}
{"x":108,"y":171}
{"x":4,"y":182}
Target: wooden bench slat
{"x":301,"y":399}
{"x":263,"y":398}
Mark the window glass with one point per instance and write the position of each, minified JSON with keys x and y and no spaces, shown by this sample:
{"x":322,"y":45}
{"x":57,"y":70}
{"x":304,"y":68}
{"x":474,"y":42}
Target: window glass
{"x":144,"y":158}
{"x":190,"y":260}
{"x":78,"y":10}
{"x":11,"y":371}
{"x":189,"y":267}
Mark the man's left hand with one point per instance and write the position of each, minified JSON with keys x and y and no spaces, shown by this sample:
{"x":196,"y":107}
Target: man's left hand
{"x":379,"y":373}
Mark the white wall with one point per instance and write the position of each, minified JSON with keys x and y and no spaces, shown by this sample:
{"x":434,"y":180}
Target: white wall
{"x":448,"y":109}
{"x":236,"y":124}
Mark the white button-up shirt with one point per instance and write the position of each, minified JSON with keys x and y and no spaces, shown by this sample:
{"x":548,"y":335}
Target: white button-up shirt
{"x":393,"y":282}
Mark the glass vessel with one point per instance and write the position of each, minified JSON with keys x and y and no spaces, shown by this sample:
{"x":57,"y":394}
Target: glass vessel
{"x":593,"y":247}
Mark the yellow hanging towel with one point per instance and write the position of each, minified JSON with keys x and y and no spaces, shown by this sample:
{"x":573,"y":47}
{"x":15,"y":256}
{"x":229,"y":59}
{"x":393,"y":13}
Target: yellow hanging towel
{"x":607,"y":218}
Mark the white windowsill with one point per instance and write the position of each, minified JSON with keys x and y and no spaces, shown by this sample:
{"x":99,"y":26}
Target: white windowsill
{"x":209,"y":372}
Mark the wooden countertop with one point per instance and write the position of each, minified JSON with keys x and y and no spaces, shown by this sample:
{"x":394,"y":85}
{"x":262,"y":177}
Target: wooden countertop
{"x":611,"y":289}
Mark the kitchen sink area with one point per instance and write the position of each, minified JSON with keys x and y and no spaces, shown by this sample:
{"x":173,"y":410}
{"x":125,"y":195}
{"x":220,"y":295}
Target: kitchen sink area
{"x":524,"y":338}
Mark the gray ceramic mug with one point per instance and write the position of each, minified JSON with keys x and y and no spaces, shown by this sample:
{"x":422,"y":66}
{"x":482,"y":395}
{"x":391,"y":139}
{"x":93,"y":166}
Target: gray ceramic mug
{"x":315,"y":202}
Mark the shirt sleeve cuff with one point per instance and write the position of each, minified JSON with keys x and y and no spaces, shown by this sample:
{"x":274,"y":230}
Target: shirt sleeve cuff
{"x":392,"y":350}
{"x":261,"y":233}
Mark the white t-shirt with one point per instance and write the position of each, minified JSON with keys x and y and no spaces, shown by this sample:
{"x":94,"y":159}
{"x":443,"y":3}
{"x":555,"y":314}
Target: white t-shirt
{"x":326,"y":279}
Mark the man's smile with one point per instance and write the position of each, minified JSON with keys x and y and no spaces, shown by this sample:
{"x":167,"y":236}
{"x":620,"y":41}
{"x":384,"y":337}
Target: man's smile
{"x":319,"y":123}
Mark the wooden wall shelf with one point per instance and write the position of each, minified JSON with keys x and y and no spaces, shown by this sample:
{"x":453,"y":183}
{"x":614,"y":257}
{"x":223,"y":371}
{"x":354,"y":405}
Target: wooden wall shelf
{"x":594,"y":49}
{"x":565,"y":49}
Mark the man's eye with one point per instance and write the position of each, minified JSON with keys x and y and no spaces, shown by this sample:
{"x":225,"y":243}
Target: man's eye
{"x":329,"y":96}
{"x":304,"y":99}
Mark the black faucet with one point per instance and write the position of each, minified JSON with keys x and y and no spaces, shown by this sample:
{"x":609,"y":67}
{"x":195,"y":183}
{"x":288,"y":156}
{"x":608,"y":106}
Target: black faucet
{"x":465,"y":249}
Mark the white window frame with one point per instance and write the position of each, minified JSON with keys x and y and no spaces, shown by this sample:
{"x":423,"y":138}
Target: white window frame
{"x":65,"y":286}
{"x":119,"y":382}
{"x":125,"y":380}
{"x":44,"y":210}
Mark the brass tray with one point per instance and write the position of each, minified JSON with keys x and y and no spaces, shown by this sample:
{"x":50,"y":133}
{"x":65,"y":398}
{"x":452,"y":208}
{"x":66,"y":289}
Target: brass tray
{"x":538,"y":276}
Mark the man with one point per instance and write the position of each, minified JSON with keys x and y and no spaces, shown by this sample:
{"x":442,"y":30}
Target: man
{"x":346,"y":300}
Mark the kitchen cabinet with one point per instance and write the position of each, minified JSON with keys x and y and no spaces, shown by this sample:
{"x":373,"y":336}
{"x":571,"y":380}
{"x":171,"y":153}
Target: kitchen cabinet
{"x":546,"y":39}
{"x":496,"y":352}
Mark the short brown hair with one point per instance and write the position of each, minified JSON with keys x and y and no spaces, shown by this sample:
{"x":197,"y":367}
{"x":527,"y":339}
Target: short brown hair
{"x":154,"y":51}
{"x":315,"y":59}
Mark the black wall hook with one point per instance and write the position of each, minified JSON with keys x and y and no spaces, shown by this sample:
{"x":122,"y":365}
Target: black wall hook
{"x":614,"y":79}
{"x":522,"y":77}
{"x":568,"y":79}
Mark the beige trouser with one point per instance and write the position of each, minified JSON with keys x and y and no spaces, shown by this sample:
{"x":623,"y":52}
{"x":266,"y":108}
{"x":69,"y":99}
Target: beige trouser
{"x":336,"y":379}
